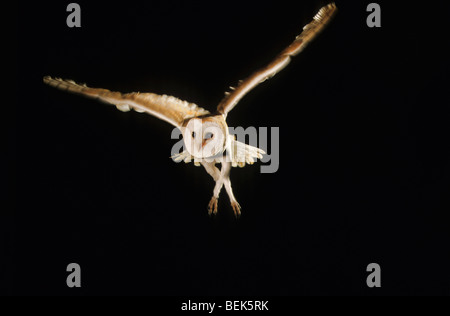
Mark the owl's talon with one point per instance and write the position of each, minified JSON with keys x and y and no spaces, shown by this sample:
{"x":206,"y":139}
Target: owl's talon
{"x":212,"y":206}
{"x":236,"y":208}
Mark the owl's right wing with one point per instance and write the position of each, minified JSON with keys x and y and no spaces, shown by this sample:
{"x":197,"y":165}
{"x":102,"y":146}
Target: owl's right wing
{"x":167,"y":108}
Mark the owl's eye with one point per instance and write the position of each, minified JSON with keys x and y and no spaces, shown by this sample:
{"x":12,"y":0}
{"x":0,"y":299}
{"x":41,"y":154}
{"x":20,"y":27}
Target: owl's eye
{"x":209,"y":135}
{"x":193,"y":134}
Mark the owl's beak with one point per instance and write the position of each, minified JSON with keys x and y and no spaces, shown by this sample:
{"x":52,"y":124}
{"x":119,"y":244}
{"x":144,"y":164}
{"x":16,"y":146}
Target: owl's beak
{"x":200,"y":147}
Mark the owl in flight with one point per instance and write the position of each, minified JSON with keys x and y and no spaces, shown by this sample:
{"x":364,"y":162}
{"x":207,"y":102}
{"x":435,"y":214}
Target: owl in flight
{"x":206,"y":136}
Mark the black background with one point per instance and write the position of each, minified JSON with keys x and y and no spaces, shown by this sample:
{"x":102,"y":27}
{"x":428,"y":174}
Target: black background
{"x":364,"y":152}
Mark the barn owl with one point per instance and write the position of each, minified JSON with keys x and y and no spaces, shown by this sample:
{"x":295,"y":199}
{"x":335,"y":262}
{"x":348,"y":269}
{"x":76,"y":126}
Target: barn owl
{"x":206,"y":136}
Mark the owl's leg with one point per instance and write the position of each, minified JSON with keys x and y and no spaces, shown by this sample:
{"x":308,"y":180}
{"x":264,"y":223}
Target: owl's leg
{"x":222,"y":177}
{"x":215,"y":173}
{"x":225,"y":174}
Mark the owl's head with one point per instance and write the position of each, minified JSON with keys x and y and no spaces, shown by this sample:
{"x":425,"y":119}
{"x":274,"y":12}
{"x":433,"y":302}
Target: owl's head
{"x":205,"y":137}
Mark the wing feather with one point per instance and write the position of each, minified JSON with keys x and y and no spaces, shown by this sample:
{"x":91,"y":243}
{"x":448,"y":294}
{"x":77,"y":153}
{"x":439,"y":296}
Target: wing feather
{"x":167,"y":108}
{"x":310,"y":31}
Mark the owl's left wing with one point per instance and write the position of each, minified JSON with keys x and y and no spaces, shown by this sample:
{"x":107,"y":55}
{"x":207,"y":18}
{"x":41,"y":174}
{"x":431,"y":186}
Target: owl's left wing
{"x":310,"y":31}
{"x":167,"y":108}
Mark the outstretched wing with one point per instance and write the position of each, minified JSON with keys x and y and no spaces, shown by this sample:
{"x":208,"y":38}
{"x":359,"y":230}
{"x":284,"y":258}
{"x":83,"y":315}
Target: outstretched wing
{"x":310,"y":31}
{"x":167,"y":108}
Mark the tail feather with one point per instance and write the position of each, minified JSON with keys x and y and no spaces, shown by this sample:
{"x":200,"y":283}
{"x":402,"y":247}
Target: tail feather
{"x":242,"y":154}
